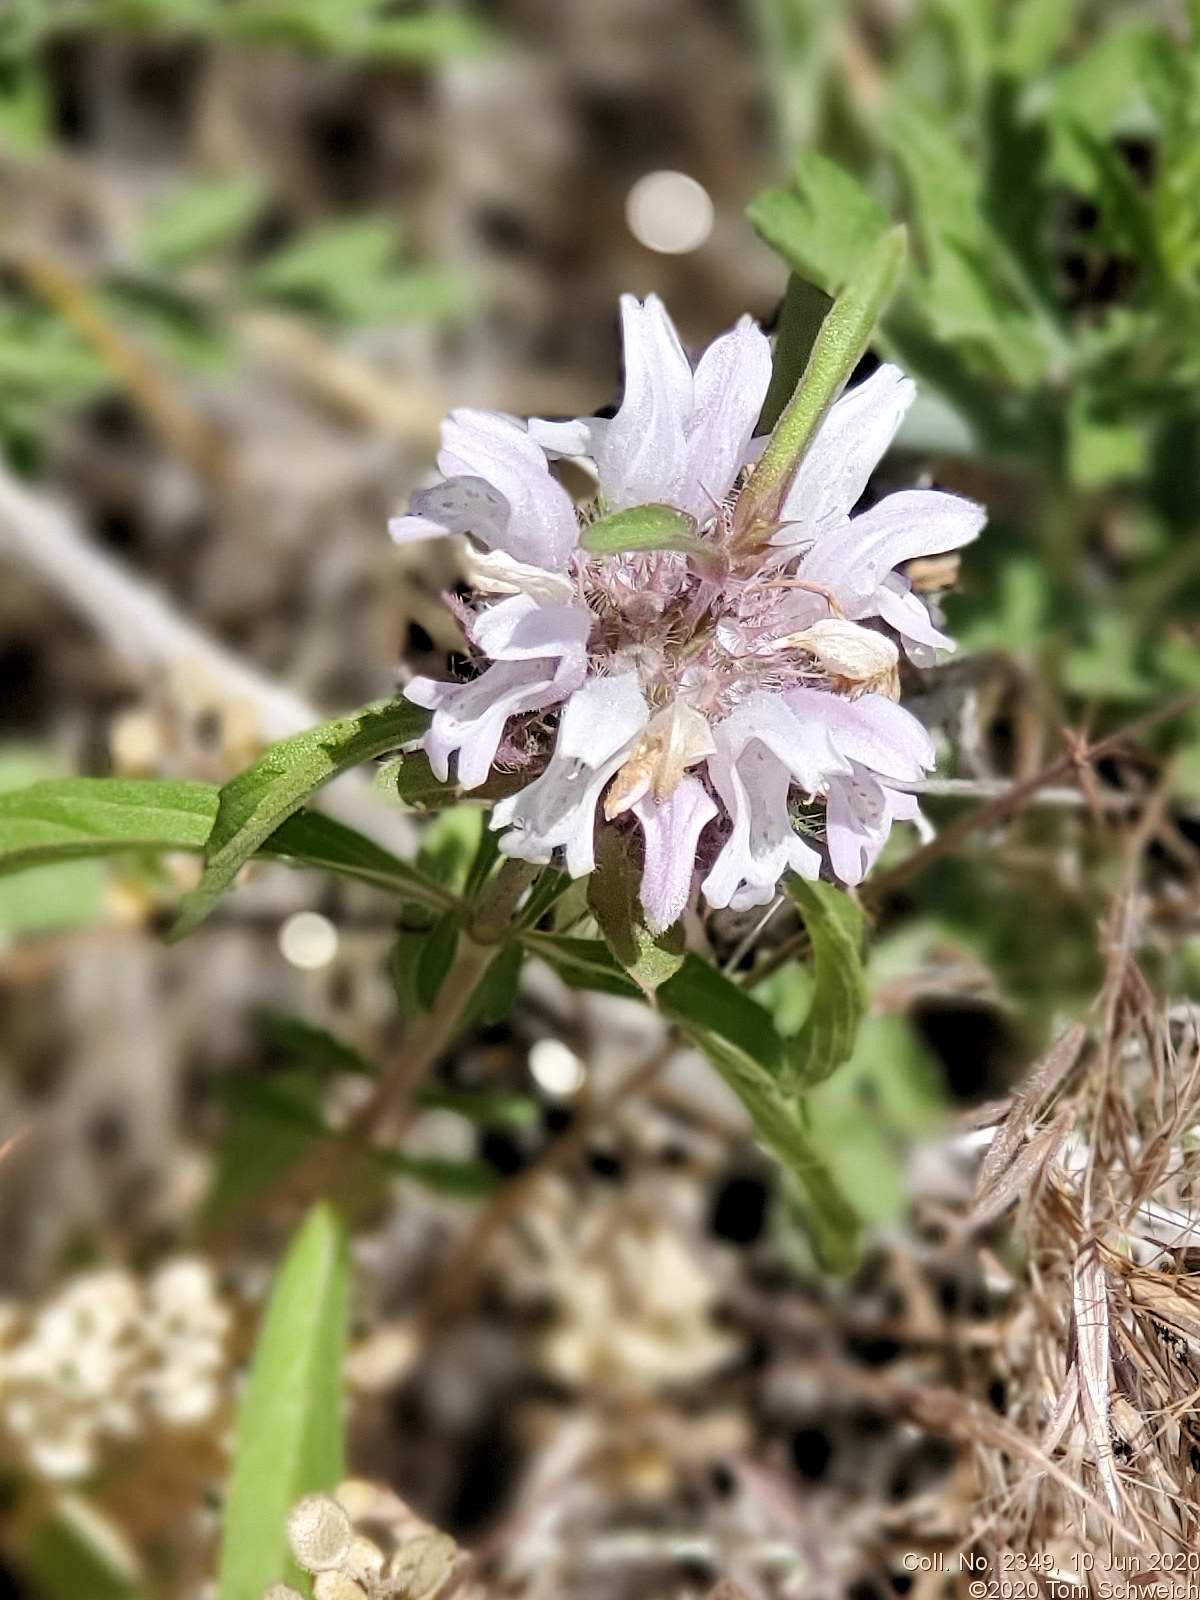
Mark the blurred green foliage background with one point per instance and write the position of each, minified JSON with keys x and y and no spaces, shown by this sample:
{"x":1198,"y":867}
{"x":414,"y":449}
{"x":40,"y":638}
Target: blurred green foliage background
{"x":390,"y":207}
{"x":1046,"y":157}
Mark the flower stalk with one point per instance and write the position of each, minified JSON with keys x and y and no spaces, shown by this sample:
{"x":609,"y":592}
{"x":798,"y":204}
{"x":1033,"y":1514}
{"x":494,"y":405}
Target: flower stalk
{"x":384,"y":1115}
{"x":487,"y":925}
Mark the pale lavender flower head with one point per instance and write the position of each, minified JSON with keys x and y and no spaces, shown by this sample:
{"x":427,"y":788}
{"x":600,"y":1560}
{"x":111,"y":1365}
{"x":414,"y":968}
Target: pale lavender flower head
{"x":734,"y":704}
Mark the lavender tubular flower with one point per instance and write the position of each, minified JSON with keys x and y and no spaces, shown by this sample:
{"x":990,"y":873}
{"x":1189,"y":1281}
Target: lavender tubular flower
{"x":882,"y":742}
{"x":706,"y":694}
{"x":540,"y":656}
{"x":499,"y":489}
{"x":598,"y":730}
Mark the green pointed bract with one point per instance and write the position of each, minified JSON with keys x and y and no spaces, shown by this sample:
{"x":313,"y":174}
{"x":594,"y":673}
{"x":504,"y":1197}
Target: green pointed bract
{"x":640,"y":528}
{"x":650,"y":527}
{"x":844,"y":337}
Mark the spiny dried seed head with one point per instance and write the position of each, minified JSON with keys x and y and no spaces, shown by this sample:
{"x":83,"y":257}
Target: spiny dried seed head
{"x":282,"y":1591}
{"x":421,"y":1566}
{"x":319,"y":1533}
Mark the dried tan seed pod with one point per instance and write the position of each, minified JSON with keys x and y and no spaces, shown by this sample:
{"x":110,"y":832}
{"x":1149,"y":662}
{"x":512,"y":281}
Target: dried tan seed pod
{"x":421,"y":1566}
{"x":676,"y":738}
{"x":337,"y":1585}
{"x":319,"y":1533}
{"x":363,"y":1560}
{"x":859,"y":660}
{"x":282,"y":1591}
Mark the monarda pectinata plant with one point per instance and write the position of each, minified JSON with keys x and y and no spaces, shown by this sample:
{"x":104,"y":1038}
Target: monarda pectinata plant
{"x":684,"y":689}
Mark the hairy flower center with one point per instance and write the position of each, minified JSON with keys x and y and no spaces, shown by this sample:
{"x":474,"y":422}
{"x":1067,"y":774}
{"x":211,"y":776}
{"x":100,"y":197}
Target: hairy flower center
{"x":707,"y":644}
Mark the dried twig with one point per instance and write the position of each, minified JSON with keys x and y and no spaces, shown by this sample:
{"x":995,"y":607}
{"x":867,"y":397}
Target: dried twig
{"x":1020,"y":794}
{"x":1040,"y":1083}
{"x":343,"y":382}
{"x":1101,"y":1347}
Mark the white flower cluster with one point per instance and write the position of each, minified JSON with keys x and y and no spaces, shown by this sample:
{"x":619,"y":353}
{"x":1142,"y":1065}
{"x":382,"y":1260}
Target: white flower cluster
{"x":107,"y":1359}
{"x":635,"y":1308}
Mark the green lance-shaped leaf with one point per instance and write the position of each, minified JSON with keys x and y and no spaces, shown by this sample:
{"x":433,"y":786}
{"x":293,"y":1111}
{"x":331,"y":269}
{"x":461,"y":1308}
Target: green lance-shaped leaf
{"x":312,"y":840}
{"x":255,"y":803}
{"x":496,"y":993}
{"x":450,"y":845}
{"x":802,"y":311}
{"x":652,"y":527}
{"x":834,"y":921}
{"x":843,"y":338}
{"x":274,"y":1124}
{"x":289,"y":1429}
{"x":422,"y":961}
{"x":67,"y":819}
{"x":833,"y":1226}
{"x":434,"y":960}
{"x":302,"y":1043}
{"x":202,"y":217}
{"x":75,"y":1550}
{"x":740,"y":1039}
{"x":824,"y":225}
{"x":581,"y":963}
{"x":63,"y":819}
{"x":700,"y":999}
{"x":549,"y":889}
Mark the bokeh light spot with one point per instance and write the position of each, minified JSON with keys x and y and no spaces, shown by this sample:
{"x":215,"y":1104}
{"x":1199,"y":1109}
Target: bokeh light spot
{"x":669,"y":212}
{"x":556,"y":1068}
{"x":308,"y":940}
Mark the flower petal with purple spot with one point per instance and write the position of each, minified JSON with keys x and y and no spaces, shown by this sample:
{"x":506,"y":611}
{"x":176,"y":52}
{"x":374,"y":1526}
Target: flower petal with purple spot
{"x":492,"y":466}
{"x":763,"y":748}
{"x":600,"y":725}
{"x":671,"y":829}
{"x":539,"y":656}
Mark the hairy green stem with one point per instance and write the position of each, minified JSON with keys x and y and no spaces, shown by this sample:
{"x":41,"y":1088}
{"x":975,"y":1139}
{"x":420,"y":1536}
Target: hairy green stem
{"x":486,"y":927}
{"x":384,"y":1114}
{"x":491,"y":920}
